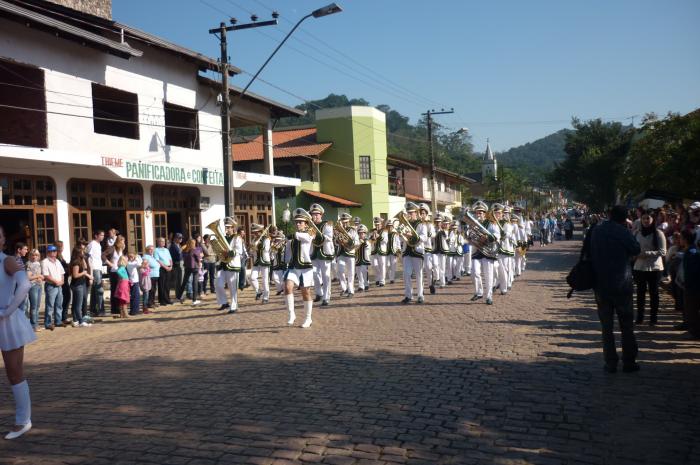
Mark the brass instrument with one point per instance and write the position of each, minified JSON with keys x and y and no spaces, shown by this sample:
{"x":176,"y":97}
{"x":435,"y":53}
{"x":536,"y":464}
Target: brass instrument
{"x":277,"y":244}
{"x":222,"y":248}
{"x":480,"y":237}
{"x":341,"y":235}
{"x":405,"y":230}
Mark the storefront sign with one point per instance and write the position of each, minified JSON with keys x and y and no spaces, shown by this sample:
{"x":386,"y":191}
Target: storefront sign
{"x":164,"y":173}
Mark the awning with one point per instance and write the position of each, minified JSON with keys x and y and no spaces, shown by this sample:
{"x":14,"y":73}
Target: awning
{"x":332,"y":199}
{"x":415,"y":198}
{"x":122,"y":50}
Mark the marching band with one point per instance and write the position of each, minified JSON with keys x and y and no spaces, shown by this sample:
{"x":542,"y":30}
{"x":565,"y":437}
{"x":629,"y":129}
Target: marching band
{"x":489,"y":244}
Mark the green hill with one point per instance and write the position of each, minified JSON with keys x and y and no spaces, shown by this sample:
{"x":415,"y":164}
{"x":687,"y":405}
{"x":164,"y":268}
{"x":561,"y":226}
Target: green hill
{"x":534,"y":159}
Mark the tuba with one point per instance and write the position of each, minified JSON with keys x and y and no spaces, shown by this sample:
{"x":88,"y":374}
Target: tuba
{"x":344,"y":238}
{"x":480,"y":237}
{"x":404,"y":228}
{"x":222,"y":248}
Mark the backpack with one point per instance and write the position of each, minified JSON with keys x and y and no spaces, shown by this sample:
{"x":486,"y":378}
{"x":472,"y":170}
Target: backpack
{"x":582,"y":275}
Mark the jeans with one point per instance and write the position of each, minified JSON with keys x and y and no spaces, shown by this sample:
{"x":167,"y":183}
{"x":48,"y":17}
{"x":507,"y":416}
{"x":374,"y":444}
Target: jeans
{"x":113,"y":280}
{"x":176,"y":277}
{"x":34,"y":304}
{"x":607,"y":307}
{"x":151,"y":301}
{"x":210,"y":275}
{"x":650,"y":280}
{"x":135,"y":295}
{"x":191,"y":275}
{"x":54,"y":305}
{"x":79,"y":291}
{"x":97,"y":303}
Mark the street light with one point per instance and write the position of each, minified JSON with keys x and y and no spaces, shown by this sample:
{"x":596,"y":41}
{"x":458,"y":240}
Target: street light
{"x":226,"y":105}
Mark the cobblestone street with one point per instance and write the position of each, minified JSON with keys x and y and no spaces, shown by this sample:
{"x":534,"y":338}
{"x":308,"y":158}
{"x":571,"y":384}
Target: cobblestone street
{"x":371,"y":382}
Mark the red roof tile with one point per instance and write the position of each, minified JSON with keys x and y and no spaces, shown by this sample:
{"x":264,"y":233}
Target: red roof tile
{"x":286,"y":144}
{"x":415,"y":198}
{"x":331,"y":198}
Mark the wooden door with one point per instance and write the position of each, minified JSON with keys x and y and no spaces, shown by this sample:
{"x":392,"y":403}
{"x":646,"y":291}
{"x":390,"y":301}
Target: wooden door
{"x":194,"y":223}
{"x":160,"y":225}
{"x":81,"y":225}
{"x":134,"y":231}
{"x":44,"y":229}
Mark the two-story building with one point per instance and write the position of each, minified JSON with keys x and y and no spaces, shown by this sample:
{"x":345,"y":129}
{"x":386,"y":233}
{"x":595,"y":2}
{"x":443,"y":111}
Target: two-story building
{"x":104,"y":125}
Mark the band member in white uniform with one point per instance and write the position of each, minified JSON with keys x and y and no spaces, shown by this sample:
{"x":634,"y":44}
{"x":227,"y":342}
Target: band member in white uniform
{"x":520,"y":243}
{"x":346,"y":258}
{"x":429,"y":260}
{"x":456,"y":241}
{"x":15,"y":333}
{"x":279,"y":260}
{"x":322,"y":255}
{"x":482,"y":265}
{"x":228,"y":272}
{"x":413,"y":254}
{"x":394,"y":251}
{"x":505,"y":252}
{"x":300,"y":270}
{"x":380,"y":250}
{"x":442,"y":248}
{"x":363,"y":258}
{"x":467,"y":247}
{"x":261,"y":262}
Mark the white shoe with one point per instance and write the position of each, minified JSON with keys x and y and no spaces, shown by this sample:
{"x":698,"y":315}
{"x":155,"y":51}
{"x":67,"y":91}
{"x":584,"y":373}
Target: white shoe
{"x":307,"y":323}
{"x":84,"y":325}
{"x":292,"y":317}
{"x":75,"y":324}
{"x":196,"y":302}
{"x":16,"y":434}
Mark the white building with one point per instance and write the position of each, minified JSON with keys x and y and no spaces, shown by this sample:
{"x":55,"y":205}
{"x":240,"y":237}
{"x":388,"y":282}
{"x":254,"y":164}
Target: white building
{"x":107,"y":126}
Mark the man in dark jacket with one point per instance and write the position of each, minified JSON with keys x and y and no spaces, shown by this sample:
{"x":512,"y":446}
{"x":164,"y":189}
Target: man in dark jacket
{"x":612,"y":250}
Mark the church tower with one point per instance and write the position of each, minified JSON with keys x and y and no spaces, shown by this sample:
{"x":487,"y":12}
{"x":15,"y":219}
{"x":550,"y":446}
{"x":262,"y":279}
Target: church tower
{"x":488,"y":165}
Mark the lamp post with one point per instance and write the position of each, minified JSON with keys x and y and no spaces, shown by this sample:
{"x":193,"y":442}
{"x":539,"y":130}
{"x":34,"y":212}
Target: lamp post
{"x":225,"y":100}
{"x":428,"y":114}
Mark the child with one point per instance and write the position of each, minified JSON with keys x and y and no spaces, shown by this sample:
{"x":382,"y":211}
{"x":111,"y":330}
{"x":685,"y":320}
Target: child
{"x":121,"y":293}
{"x":363,"y":258}
{"x":145,"y":284}
{"x":132,"y":270}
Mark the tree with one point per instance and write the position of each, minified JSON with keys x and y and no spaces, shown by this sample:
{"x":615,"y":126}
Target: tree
{"x":595,"y":160}
{"x":665,"y":156}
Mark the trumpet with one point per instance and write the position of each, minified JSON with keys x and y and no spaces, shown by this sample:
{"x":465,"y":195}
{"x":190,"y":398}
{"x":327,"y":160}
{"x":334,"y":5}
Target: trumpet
{"x":341,"y":235}
{"x":405,"y":230}
{"x":222,"y":248}
{"x":277,"y":244}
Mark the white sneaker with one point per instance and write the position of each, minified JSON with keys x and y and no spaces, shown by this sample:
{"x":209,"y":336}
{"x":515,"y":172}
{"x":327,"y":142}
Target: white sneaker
{"x":196,"y":302}
{"x":16,"y":434}
{"x":75,"y":324}
{"x":292,"y":317}
{"x":307,"y":323}
{"x":85,"y":325}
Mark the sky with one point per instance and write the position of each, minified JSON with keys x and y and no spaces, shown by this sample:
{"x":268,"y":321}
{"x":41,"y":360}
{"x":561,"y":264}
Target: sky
{"x":513,"y":70}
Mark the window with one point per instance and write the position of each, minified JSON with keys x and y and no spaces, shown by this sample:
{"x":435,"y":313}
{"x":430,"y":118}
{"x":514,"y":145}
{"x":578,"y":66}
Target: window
{"x":22,"y":87}
{"x":27,"y":190}
{"x":104,"y":195}
{"x":182,"y":127}
{"x":365,"y":168}
{"x":116,"y":112}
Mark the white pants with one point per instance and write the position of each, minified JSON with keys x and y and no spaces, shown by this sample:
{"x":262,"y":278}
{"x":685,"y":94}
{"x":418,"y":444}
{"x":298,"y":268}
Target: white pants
{"x":362,"y":276}
{"x":482,"y":271}
{"x":467,"y":261}
{"x":229,"y":278}
{"x":391,"y":266}
{"x":441,"y":260}
{"x":428,"y":263}
{"x":373,"y":268}
{"x":503,"y":273}
{"x":412,"y":265}
{"x":519,"y":264}
{"x":278,"y":279}
{"x":346,"y":273}
{"x":380,"y":269}
{"x":457,"y":262}
{"x":322,"y":278}
{"x":264,"y":272}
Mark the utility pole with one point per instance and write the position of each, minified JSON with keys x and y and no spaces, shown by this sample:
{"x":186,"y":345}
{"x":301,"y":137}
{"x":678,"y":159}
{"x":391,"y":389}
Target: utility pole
{"x":220,"y":32}
{"x":429,"y":115}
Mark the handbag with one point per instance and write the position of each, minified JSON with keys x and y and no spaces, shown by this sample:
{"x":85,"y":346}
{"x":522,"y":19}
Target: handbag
{"x":582,"y":275}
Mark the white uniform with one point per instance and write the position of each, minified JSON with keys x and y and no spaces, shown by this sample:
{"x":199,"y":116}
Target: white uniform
{"x":346,"y":264}
{"x":261,"y":268}
{"x":379,"y":257}
{"x":228,"y":275}
{"x":441,"y":254}
{"x":394,"y":250}
{"x":505,"y":260}
{"x":429,"y":259}
{"x":300,"y":272}
{"x":322,"y":257}
{"x":413,"y":261}
{"x":484,"y":267}
{"x":363,"y":262}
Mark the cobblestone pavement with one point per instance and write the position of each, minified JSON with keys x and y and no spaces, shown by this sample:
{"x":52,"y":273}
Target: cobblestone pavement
{"x":372,"y":382}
